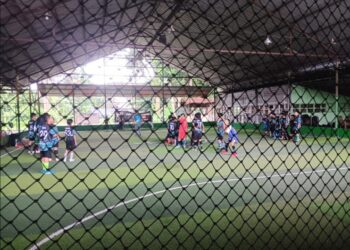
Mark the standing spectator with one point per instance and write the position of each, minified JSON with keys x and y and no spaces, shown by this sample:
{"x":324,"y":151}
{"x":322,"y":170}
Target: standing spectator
{"x":183,"y":126}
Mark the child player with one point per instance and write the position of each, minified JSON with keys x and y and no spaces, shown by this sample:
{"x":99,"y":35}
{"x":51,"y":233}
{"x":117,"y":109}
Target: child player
{"x":265,"y":126}
{"x":196,"y":136}
{"x":32,"y":133}
{"x":197,"y":125}
{"x":71,"y":141}
{"x":172,"y":125}
{"x":46,"y":141}
{"x":55,"y":133}
{"x":220,"y":124}
{"x":231,"y":141}
{"x":137,"y":122}
{"x":295,"y":127}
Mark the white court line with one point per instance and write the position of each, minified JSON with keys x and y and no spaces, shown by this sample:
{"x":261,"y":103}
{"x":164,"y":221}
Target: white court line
{"x":94,"y":215}
{"x":10,"y":152}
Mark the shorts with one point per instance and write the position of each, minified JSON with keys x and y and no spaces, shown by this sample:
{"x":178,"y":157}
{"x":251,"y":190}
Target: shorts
{"x":220,"y":135}
{"x":45,"y":154}
{"x":137,"y":126}
{"x":234,"y":140}
{"x":196,"y":136}
{"x":70,"y":145}
{"x":172,"y":135}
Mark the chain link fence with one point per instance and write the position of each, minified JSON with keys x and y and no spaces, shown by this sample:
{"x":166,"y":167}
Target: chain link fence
{"x":152,"y":124}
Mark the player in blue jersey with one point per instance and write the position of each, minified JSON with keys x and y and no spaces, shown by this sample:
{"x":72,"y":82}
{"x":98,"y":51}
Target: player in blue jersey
{"x":220,"y":125}
{"x":70,"y":139}
{"x":231,"y":141}
{"x":137,"y":122}
{"x":46,"y":141}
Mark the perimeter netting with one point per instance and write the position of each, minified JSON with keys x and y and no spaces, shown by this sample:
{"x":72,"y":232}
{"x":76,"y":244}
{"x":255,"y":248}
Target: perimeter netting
{"x":152,"y":124}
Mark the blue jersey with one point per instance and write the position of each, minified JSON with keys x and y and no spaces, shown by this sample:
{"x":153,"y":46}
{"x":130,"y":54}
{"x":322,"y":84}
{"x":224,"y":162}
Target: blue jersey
{"x":296,"y":123}
{"x":46,"y":137}
{"x":31,"y":129}
{"x":266,"y":124}
{"x":232,"y":135}
{"x":54,"y":130}
{"x":283,"y":122}
{"x":221,"y":126}
{"x":137,"y":118}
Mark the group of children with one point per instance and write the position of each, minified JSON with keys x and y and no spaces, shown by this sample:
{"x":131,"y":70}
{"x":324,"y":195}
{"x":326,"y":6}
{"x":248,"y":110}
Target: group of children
{"x":177,"y":133}
{"x":44,"y":139}
{"x":283,"y":127}
{"x":44,"y":135}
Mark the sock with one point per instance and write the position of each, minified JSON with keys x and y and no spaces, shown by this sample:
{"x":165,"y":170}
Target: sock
{"x":71,"y":155}
{"x":233,"y":150}
{"x":45,"y":165}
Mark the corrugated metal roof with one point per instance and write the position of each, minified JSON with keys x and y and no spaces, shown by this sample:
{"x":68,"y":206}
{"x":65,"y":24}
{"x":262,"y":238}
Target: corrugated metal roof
{"x":219,"y":41}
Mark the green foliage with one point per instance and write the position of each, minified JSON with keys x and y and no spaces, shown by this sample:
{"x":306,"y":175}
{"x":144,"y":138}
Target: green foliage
{"x":16,"y":111}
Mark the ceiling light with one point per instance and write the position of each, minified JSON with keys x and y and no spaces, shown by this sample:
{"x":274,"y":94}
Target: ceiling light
{"x":333,"y":42}
{"x":268,"y":41}
{"x":47,"y":16}
{"x":171,"y":29}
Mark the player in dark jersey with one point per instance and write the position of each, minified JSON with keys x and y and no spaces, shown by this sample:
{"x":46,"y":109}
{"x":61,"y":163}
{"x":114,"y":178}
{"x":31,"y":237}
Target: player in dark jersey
{"x":70,"y":139}
{"x":172,"y":131}
{"x":198,"y":124}
{"x":273,"y":124}
{"x":32,"y":133}
{"x":265,"y":126}
{"x":220,"y":124}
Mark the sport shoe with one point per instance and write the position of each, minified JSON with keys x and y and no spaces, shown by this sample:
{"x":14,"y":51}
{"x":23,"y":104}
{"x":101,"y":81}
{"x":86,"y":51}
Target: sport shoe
{"x":47,"y":171}
{"x":224,"y":152}
{"x":71,"y":160}
{"x":234,"y":155}
{"x":50,"y":172}
{"x":57,"y":159}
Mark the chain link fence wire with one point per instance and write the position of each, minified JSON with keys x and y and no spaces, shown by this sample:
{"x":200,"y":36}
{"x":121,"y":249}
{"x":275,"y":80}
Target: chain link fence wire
{"x":153,"y":124}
